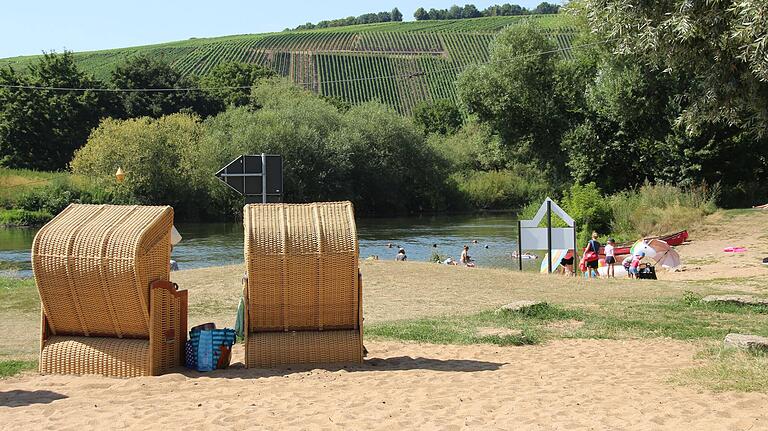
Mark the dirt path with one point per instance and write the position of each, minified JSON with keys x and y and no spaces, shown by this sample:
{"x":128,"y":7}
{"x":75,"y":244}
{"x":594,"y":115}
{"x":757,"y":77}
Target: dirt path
{"x":704,"y":258}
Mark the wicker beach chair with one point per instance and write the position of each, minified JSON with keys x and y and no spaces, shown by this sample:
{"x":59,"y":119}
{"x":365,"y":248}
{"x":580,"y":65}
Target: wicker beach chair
{"x":107,"y":305}
{"x":304,"y":292}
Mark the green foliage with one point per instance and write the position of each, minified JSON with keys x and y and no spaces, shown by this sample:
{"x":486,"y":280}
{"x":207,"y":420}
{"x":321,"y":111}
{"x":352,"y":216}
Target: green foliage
{"x":589,"y":209}
{"x":473,"y":147}
{"x":233,"y":74}
{"x":719,"y":46}
{"x":441,"y":116}
{"x":515,"y":95}
{"x":368,"y":154}
{"x":141,"y":72}
{"x":390,"y":168}
{"x":506,"y":189}
{"x":42,"y":129}
{"x":19,"y":217}
{"x":658,"y":209}
{"x":151,"y":152}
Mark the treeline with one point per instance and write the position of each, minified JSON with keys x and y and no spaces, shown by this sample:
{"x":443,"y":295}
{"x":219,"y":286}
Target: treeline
{"x":471,"y":11}
{"x":367,"y":18}
{"x":42,"y":125}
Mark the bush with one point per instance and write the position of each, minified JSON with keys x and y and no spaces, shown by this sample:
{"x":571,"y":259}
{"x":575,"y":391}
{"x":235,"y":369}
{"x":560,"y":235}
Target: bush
{"x":150,"y":152}
{"x":660,"y":208}
{"x":19,"y":217}
{"x":589,"y":209}
{"x":499,"y":189}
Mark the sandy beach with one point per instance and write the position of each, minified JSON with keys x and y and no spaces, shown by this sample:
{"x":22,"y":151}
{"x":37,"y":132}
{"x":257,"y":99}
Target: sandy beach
{"x":563,"y":385}
{"x":560,"y":384}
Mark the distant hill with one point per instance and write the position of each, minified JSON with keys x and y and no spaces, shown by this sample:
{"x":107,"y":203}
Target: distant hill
{"x":398,"y":63}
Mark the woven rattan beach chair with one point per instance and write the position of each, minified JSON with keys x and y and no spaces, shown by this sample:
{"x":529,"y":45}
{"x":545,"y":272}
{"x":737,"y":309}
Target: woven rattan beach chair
{"x":304,"y":292}
{"x":107,"y":305}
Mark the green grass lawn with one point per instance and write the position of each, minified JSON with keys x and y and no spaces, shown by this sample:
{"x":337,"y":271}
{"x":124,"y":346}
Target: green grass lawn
{"x":11,"y":368}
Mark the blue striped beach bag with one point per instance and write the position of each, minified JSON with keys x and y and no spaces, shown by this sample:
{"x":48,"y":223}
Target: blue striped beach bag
{"x":209,"y":348}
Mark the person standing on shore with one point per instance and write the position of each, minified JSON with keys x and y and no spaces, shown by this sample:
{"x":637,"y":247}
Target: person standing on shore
{"x":591,"y":255}
{"x":610,"y":258}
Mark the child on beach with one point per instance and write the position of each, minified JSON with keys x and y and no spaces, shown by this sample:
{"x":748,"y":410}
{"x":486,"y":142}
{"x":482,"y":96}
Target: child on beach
{"x":625,"y":263}
{"x":465,"y":259}
{"x":634,"y":267}
{"x":610,"y":259}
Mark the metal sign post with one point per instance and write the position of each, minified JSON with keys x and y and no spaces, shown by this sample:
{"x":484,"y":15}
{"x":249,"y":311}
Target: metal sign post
{"x":259,"y":178}
{"x":549,"y":237}
{"x":533,"y":237}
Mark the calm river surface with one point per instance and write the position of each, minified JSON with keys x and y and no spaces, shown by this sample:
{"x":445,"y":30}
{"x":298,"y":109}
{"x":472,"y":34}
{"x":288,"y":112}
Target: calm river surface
{"x":215,"y":244}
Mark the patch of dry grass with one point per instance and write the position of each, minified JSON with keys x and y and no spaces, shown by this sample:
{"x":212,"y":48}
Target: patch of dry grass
{"x":726,"y":369}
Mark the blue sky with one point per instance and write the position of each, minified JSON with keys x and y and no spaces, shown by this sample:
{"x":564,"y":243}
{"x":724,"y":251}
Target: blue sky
{"x":29,"y":27}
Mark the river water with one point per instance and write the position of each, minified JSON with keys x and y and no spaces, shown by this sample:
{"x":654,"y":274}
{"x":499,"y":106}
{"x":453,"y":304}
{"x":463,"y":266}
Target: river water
{"x":216,"y":244}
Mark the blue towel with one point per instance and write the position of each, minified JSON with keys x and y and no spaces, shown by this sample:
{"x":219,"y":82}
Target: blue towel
{"x":205,"y":360}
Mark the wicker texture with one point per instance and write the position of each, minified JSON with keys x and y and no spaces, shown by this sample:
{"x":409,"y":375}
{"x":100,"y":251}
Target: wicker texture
{"x":93,"y":267}
{"x":95,"y":355}
{"x":302,"y":262}
{"x":273,"y":349}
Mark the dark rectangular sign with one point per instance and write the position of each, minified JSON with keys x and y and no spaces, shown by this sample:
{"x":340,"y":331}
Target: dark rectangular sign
{"x":247,"y":173}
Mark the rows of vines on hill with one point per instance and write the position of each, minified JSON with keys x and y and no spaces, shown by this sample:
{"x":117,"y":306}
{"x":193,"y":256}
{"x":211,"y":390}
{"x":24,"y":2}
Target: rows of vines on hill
{"x":400,"y":64}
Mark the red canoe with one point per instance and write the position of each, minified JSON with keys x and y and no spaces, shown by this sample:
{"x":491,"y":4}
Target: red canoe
{"x":672,"y":239}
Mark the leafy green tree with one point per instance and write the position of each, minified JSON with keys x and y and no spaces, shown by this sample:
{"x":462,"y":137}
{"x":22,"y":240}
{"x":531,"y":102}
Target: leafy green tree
{"x":390,"y":170}
{"x":515,"y":94}
{"x":151,"y":152}
{"x":230,"y":82}
{"x":396,"y":15}
{"x":421,"y":14}
{"x":454,"y":12}
{"x":41,"y":129}
{"x":441,"y":116}
{"x":470,"y":11}
{"x":144,"y":72}
{"x":719,"y":45}
{"x":546,"y":8}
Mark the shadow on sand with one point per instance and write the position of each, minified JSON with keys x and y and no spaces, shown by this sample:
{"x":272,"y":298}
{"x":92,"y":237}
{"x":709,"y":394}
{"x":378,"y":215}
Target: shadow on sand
{"x":19,"y":398}
{"x":401,"y":363}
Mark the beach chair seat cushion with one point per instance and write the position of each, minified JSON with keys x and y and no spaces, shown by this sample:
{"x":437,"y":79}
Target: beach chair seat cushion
{"x":273,"y":349}
{"x":95,"y":355}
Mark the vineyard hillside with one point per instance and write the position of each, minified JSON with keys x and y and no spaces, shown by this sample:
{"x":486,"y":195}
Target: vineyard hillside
{"x":397,"y":63}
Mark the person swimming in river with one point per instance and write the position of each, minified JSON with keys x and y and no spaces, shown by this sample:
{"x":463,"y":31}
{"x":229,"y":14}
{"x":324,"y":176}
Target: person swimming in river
{"x":525,"y":255}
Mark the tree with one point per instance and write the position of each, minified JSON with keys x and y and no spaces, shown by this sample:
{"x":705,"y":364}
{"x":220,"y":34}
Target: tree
{"x":396,"y":15}
{"x":546,"y":8}
{"x":515,"y":94}
{"x":41,"y":129}
{"x":470,"y":11}
{"x":143,"y":72}
{"x":454,"y":12}
{"x":441,"y":116}
{"x":421,"y":14}
{"x":233,"y":74}
{"x":151,"y":151}
{"x":719,"y":45}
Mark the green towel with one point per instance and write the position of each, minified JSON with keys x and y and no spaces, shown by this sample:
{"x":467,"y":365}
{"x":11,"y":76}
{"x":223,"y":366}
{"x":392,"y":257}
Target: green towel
{"x":240,"y":319}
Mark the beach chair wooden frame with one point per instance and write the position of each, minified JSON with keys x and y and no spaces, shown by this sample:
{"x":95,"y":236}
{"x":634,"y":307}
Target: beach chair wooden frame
{"x":303,"y":292}
{"x":108,"y":306}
